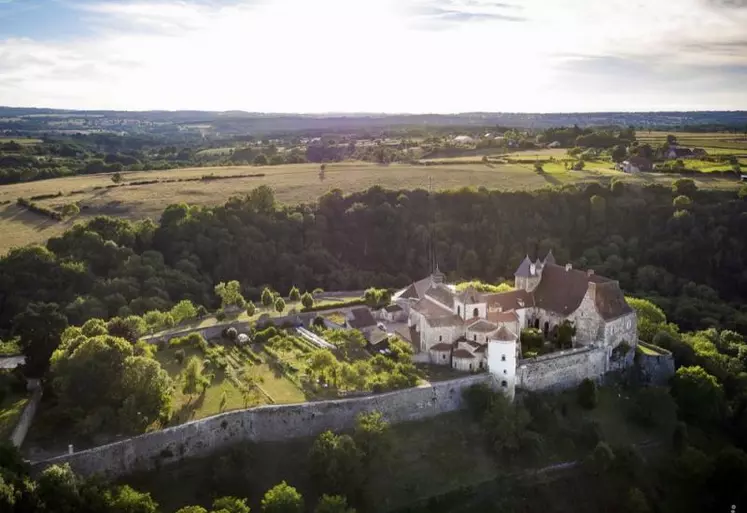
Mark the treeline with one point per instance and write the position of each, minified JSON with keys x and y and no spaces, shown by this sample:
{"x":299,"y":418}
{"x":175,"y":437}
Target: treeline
{"x":689,"y":258}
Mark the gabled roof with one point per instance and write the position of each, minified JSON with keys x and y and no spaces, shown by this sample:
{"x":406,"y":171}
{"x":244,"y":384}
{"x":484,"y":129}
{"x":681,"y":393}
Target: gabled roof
{"x":561,"y":290}
{"x":440,"y":322}
{"x":462,"y":353}
{"x":443,"y":346}
{"x":504,"y":335}
{"x":362,"y":318}
{"x":482,"y":326}
{"x":417,"y":290}
{"x":524,"y":269}
{"x":377,"y":337}
{"x":513,"y":300}
{"x":442,"y":294}
{"x":509,"y":316}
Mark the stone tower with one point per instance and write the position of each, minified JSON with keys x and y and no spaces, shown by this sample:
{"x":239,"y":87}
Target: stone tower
{"x":528,"y":275}
{"x":502,"y":349}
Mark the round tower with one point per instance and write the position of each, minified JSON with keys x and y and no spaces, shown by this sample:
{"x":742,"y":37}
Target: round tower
{"x":502,"y":349}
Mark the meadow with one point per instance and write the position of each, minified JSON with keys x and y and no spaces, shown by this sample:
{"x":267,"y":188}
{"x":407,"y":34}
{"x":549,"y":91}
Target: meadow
{"x":293,"y":183}
{"x":722,"y":143}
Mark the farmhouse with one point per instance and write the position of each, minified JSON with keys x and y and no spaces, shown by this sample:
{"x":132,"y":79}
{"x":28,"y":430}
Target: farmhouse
{"x":635,"y":164}
{"x":470,"y":330}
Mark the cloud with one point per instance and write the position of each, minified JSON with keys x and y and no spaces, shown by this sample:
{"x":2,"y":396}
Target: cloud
{"x":440,"y":14}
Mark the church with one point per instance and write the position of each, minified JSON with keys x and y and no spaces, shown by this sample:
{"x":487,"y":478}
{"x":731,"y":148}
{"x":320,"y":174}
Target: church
{"x":470,"y":330}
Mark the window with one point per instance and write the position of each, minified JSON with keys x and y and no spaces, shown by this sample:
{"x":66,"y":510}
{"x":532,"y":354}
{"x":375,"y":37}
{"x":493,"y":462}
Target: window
{"x":482,"y":364}
{"x":474,"y":337}
{"x":440,"y":338}
{"x":505,"y":371}
{"x":459,"y":311}
{"x":443,"y":357}
{"x":503,"y":357}
{"x":504,"y":383}
{"x":470,"y":366}
{"x":475,"y":312}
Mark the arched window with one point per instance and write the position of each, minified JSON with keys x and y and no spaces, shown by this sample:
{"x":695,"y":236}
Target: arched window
{"x":504,"y":383}
{"x":475,"y":312}
{"x":440,"y":338}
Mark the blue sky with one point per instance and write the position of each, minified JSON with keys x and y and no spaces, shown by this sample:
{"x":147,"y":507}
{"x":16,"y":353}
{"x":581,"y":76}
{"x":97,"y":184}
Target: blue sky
{"x":374,"y":55}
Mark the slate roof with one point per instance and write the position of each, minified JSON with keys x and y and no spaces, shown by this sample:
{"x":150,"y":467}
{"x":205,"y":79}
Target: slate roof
{"x":462,"y":353}
{"x":377,"y":337}
{"x":442,"y":294}
{"x":470,"y":295}
{"x":482,"y":326}
{"x":417,"y":290}
{"x":504,"y":334}
{"x":443,"y":346}
{"x":549,"y":258}
{"x":393,"y":308}
{"x":524,"y":270}
{"x":362,"y":318}
{"x":431,"y":309}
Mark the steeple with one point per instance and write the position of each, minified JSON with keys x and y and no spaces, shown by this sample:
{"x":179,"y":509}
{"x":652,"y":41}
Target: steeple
{"x":437,"y":276}
{"x":525,"y":268}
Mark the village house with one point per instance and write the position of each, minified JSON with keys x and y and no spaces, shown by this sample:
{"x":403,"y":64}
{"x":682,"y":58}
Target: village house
{"x":635,"y":164}
{"x":470,"y":330}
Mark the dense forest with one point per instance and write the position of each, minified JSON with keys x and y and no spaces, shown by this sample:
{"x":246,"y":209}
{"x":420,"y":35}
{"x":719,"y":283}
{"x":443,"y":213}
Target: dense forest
{"x":688,"y":258}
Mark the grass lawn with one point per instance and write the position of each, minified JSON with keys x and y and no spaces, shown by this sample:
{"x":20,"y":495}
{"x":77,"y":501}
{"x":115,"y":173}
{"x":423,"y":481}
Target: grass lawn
{"x":293,"y":183}
{"x":648,"y":351}
{"x":10,"y":410}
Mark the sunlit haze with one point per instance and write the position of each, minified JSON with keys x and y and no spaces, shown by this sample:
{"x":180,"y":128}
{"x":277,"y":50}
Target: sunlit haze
{"x":374,"y":55}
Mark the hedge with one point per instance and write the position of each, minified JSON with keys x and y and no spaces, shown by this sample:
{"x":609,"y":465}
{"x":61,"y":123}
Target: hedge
{"x":344,"y":304}
{"x":53,"y":214}
{"x":45,"y":196}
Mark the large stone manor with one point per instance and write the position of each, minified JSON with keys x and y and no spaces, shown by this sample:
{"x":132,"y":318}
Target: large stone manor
{"x":470,"y":330}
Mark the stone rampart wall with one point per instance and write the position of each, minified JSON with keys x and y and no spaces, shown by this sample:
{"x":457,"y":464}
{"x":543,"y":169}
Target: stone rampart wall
{"x":24,"y":422}
{"x":263,"y":424}
{"x":657,"y":369}
{"x":562,"y":370}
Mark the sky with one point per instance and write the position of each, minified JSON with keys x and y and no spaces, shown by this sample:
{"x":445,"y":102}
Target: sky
{"x":403,"y":56}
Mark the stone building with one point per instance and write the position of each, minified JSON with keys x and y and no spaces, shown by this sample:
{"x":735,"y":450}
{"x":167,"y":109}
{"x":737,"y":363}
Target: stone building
{"x":470,"y":330}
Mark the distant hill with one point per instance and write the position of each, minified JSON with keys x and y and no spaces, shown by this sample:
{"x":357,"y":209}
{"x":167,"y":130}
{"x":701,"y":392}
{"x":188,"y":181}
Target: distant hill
{"x":243,"y":122}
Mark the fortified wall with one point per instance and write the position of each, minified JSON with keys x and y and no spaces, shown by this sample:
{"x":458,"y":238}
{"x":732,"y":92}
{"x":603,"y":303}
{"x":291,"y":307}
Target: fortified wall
{"x":561,"y":370}
{"x":263,"y":424}
{"x":658,"y":368}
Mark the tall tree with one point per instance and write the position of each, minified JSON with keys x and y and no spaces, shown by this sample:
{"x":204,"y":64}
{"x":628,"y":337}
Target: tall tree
{"x":39,"y":328}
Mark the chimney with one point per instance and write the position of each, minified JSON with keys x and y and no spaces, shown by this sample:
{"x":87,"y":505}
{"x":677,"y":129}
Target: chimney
{"x":589,"y":272}
{"x":568,"y":267}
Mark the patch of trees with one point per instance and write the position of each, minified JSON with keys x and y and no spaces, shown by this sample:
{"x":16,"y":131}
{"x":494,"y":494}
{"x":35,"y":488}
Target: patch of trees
{"x":39,"y":209}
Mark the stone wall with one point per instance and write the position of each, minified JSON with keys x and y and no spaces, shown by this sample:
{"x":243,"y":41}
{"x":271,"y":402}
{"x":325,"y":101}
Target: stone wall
{"x":561,"y":370}
{"x":263,"y":424}
{"x":656,"y":369}
{"x":624,"y":328}
{"x":587,"y":321}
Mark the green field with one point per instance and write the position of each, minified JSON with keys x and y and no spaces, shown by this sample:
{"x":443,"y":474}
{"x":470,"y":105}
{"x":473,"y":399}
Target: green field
{"x":712,"y":142}
{"x":20,"y":140}
{"x":292,"y":184}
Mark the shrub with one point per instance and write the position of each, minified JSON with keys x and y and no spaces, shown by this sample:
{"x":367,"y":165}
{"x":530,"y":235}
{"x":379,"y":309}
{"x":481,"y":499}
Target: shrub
{"x":294,"y":294}
{"x":578,"y":165}
{"x":250,"y":309}
{"x":538,"y":167}
{"x":587,"y":394}
{"x":179,"y":356}
{"x":266,"y":334}
{"x":231,"y":333}
{"x":220,"y":316}
{"x":681,"y":202}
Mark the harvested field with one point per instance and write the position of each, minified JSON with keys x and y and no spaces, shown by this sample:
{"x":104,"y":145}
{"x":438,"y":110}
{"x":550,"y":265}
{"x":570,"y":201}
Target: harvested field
{"x":296,"y":183}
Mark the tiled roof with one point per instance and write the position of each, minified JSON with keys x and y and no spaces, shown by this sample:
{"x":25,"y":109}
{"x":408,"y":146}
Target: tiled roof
{"x":362,"y":318}
{"x":443,"y":346}
{"x":512,"y":300}
{"x":417,"y":290}
{"x":482,"y":326}
{"x":505,"y":335}
{"x":610,"y":301}
{"x":431,"y":309}
{"x":509,"y":316}
{"x":442,"y":294}
{"x":524,"y":269}
{"x":410,"y":293}
{"x":437,"y":322}
{"x":561,"y":290}
{"x":462,"y":353}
